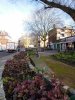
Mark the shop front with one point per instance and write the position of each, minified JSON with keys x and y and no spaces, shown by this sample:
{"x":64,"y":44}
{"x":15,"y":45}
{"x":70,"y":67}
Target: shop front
{"x":65,"y":44}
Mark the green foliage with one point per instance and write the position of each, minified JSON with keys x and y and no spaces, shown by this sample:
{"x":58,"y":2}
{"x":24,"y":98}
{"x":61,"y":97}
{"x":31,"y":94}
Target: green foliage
{"x":41,"y":70}
{"x":72,"y":97}
{"x":65,"y":56}
{"x":31,"y":52}
{"x":7,"y":79}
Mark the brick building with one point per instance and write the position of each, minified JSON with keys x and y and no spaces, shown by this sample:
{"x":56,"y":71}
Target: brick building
{"x":4,"y":38}
{"x":56,"y":34}
{"x":59,"y":33}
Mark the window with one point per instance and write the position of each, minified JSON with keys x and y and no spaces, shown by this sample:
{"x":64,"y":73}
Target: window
{"x":62,"y":35}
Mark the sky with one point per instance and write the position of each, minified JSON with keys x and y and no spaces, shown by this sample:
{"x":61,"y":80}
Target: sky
{"x":13,"y":13}
{"x":70,"y":3}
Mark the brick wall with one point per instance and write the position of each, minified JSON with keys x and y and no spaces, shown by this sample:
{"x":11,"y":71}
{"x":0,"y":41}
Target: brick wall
{"x":52,"y":35}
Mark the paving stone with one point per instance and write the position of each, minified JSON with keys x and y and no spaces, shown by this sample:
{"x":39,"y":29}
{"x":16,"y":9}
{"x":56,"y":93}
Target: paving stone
{"x":2,"y":97}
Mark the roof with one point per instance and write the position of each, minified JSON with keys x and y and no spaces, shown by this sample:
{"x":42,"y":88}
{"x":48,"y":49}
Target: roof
{"x":52,"y":32}
{"x":67,"y":39}
{"x":3,"y":33}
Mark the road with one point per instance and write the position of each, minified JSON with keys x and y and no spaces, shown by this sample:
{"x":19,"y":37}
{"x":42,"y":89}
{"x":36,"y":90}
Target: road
{"x":4,"y":53}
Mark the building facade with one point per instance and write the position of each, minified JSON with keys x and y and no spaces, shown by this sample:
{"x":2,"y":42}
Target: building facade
{"x":59,"y":33}
{"x":27,"y":41}
{"x":4,"y":38}
{"x":59,"y":36}
{"x":65,"y":44}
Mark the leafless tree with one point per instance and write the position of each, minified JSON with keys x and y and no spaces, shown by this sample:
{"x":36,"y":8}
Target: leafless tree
{"x":43,"y":21}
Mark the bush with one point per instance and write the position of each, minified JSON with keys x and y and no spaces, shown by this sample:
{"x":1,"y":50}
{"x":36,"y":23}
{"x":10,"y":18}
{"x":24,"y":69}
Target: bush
{"x":16,"y":69}
{"x":21,"y":55}
{"x":39,"y":89}
{"x":68,"y":57}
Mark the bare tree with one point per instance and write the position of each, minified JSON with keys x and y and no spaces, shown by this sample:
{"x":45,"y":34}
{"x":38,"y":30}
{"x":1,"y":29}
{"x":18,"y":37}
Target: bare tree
{"x":43,"y":21}
{"x":67,"y":6}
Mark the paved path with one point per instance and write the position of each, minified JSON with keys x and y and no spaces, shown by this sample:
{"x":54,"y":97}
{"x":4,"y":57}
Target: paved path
{"x":50,"y":52}
{"x":2,"y":62}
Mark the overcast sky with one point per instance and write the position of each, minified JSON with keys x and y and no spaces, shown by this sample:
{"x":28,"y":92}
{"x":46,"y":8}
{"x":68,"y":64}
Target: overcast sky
{"x":14,"y":12}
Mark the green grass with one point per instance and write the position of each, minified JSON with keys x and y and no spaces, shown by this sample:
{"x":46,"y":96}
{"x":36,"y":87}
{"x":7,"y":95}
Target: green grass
{"x":64,"y":72}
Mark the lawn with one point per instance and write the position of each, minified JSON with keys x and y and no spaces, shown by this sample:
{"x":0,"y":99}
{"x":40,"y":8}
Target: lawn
{"x":64,"y":72}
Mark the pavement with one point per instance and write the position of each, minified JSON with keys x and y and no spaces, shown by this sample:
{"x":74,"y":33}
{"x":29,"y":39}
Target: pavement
{"x":48,"y":52}
{"x":2,"y":62}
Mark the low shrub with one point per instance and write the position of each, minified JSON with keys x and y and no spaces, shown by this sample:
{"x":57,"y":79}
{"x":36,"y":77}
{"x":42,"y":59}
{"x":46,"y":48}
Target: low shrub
{"x":16,"y":69}
{"x":68,"y":57}
{"x":39,"y":89}
{"x":21,"y":55}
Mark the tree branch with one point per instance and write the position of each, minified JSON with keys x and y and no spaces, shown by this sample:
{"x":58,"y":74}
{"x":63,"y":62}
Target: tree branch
{"x":68,"y":10}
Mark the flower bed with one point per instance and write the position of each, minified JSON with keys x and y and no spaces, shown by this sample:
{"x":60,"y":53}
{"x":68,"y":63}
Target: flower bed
{"x":39,"y":89}
{"x":22,"y":83}
{"x":21,"y":55}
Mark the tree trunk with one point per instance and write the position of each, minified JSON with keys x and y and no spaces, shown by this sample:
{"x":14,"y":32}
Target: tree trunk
{"x":44,"y":44}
